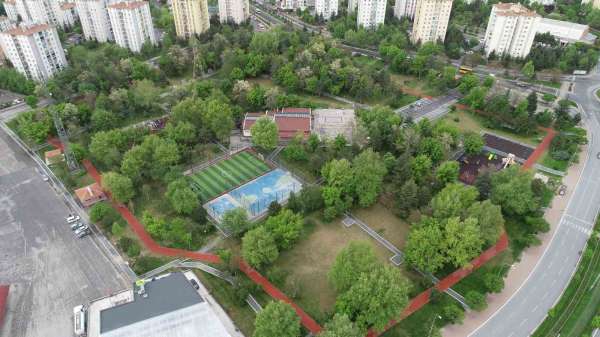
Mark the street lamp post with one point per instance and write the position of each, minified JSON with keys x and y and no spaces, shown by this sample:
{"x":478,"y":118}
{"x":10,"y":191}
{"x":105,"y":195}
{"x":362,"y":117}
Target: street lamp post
{"x":432,"y":324}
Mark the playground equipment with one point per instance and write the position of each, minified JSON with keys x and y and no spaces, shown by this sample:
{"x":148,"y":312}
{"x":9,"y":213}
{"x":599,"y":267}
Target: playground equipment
{"x":508,"y":160}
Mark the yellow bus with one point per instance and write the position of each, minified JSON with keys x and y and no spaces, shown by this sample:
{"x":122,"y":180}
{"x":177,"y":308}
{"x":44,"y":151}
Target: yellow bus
{"x":465,"y":70}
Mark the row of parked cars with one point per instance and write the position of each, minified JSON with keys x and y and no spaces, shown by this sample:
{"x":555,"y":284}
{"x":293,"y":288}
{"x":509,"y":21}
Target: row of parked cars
{"x":77,"y":226}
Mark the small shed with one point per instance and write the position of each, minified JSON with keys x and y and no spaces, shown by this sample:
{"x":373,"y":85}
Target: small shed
{"x":90,"y":194}
{"x":53,"y":156}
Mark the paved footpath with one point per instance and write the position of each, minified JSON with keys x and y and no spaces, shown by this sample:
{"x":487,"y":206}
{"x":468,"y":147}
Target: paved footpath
{"x":529,"y":259}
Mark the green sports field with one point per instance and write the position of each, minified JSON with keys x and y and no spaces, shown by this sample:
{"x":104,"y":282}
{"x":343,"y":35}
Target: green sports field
{"x":227,"y":174}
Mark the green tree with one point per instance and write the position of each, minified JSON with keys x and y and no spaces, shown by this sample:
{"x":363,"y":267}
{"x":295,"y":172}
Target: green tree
{"x":235,"y":220}
{"x":532,"y":102}
{"x":473,"y":143}
{"x":31,"y":100}
{"x":493,"y":282}
{"x":259,"y":248}
{"x":106,"y":146}
{"x":467,"y":83}
{"x":368,"y":171}
{"x":462,"y":241}
{"x":476,"y":97}
{"x":453,"y":200}
{"x":339,"y":188}
{"x":285,"y":227}
{"x":278,"y":319}
{"x":447,"y":172}
{"x":265,"y":134}
{"x":489,"y":218}
{"x":476,"y":300}
{"x":355,"y":259}
{"x":420,"y":167}
{"x":181,"y":197}
{"x":425,"y":247}
{"x":375,"y":298}
{"x":103,"y":120}
{"x":528,"y":70}
{"x":340,"y":326}
{"x":511,"y":189}
{"x":218,"y":116}
{"x":120,"y":186}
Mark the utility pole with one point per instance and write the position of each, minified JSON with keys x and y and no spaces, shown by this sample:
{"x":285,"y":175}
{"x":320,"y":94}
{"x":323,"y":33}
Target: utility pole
{"x":64,"y":139}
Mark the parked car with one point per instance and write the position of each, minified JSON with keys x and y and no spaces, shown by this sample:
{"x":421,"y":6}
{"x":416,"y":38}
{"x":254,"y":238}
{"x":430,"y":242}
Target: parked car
{"x":81,"y":229}
{"x":45,"y":177}
{"x":195,"y":284}
{"x":76,"y":225}
{"x":72,"y":218}
{"x":83,"y":233}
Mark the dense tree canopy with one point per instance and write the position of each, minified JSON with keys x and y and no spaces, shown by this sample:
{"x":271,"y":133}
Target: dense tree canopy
{"x":278,"y":319}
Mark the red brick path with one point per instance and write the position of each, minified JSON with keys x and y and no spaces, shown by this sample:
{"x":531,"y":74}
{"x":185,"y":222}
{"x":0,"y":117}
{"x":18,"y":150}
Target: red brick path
{"x":3,"y":299}
{"x":540,"y":149}
{"x":154,"y":247}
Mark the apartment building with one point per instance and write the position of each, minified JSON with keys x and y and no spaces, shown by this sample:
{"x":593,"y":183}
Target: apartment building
{"x":5,"y":23}
{"x":595,"y":3}
{"x":34,"y":50}
{"x":405,"y":8}
{"x":234,"y":11}
{"x":352,"y":6}
{"x":431,"y":20}
{"x":511,"y":30}
{"x":191,"y":17}
{"x":10,"y":7}
{"x":292,"y":5}
{"x":131,"y":24}
{"x":371,"y":13}
{"x":326,"y":8}
{"x":95,"y":22}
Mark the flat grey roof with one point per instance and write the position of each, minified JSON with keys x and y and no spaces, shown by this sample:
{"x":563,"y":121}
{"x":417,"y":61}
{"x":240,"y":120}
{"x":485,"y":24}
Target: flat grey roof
{"x":165,"y":294}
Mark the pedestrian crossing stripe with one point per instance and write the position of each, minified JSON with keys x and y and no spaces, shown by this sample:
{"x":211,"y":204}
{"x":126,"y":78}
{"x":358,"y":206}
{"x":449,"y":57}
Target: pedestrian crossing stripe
{"x":583,"y":229}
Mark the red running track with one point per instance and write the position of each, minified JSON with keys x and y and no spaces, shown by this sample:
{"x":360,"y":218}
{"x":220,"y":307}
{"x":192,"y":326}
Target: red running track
{"x":3,"y":300}
{"x":540,"y":149}
{"x":309,"y":323}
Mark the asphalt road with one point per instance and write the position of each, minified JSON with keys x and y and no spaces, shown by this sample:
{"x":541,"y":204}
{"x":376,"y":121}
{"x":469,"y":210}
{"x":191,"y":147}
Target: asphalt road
{"x":431,"y":109}
{"x":13,"y":111}
{"x":525,"y":311}
{"x":49,"y":270}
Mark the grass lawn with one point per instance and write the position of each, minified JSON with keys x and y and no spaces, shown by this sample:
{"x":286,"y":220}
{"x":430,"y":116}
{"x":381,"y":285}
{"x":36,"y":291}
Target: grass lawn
{"x":307,"y":264}
{"x":382,"y":220}
{"x":301,"y":169}
{"x":548,"y":161}
{"x":598,"y":93}
{"x":467,"y":121}
{"x":227,"y":174}
{"x":267,"y":83}
{"x":411,"y":85}
{"x":572,"y":315}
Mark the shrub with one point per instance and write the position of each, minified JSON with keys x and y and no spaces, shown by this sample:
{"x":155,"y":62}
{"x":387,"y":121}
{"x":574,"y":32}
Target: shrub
{"x":103,"y":214}
{"x":476,"y":300}
{"x":146,"y":263}
{"x":133,"y":250}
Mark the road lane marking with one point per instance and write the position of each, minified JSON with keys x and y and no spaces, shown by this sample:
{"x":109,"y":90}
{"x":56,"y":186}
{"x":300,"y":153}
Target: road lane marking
{"x":523,"y":322}
{"x":545,"y":295}
{"x":534,"y":308}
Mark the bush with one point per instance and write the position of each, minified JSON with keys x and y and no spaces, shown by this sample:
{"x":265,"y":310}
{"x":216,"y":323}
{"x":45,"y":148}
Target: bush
{"x":493,"y":283}
{"x":103,"y":214}
{"x":117,"y":229}
{"x":125,"y":242}
{"x":453,"y":313}
{"x":145,"y":264}
{"x":476,"y":300}
{"x":133,"y":250}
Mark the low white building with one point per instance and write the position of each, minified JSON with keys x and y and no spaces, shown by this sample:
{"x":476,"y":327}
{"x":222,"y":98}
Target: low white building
{"x":371,"y":13}
{"x":131,"y":24}
{"x":326,"y":8}
{"x":94,"y":19}
{"x":566,"y":32}
{"x":34,"y":50}
{"x":174,"y":304}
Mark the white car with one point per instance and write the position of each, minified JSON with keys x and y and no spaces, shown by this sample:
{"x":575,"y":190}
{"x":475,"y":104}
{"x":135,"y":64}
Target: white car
{"x":81,"y":229}
{"x":76,"y":225}
{"x":72,"y":218}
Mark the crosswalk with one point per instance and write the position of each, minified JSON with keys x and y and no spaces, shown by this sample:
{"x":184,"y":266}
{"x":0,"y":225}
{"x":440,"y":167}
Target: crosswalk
{"x":582,"y":226}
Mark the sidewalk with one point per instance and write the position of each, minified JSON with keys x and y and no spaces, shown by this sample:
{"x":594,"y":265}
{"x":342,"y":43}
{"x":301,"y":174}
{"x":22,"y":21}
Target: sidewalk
{"x":520,"y":271}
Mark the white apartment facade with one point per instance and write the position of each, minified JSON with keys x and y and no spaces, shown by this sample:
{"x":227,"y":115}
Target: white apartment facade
{"x":191,"y":17}
{"x":595,"y":3}
{"x":292,"y":5}
{"x":10,"y":7}
{"x":34,"y":50}
{"x":131,"y":24}
{"x":352,"y":6}
{"x":326,"y":8}
{"x":405,"y":8}
{"x":371,"y":13}
{"x":95,"y":22}
{"x":431,"y":20}
{"x":234,"y":11}
{"x":511,"y":30}
{"x":39,"y":11}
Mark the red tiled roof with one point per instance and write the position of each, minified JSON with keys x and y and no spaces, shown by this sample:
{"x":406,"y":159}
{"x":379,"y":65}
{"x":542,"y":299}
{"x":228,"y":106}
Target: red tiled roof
{"x":295,"y":110}
{"x":91,"y":191}
{"x":290,"y":126}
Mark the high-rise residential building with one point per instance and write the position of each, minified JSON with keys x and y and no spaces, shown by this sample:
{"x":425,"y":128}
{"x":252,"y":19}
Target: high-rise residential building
{"x":40,"y":11}
{"x":234,"y":11}
{"x":431,"y":20}
{"x":131,"y":24}
{"x":10,"y":7}
{"x":34,"y":50}
{"x":511,"y":30}
{"x":595,"y":3}
{"x":292,"y":5}
{"x":5,"y":23}
{"x":68,"y":12}
{"x":352,"y":6}
{"x":405,"y":8}
{"x":191,"y":17}
{"x":326,"y":8}
{"x":94,"y":19}
{"x":371,"y":13}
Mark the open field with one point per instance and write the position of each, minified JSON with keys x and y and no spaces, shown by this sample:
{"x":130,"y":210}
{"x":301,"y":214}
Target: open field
{"x":306,"y":265}
{"x":560,"y":165}
{"x":411,"y":85}
{"x":227,"y":174}
{"x":467,"y":121}
{"x":382,"y":220}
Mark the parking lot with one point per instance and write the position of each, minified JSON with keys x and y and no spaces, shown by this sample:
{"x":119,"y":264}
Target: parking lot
{"x":48,"y":269}
{"x":8,"y":98}
{"x":431,"y":108}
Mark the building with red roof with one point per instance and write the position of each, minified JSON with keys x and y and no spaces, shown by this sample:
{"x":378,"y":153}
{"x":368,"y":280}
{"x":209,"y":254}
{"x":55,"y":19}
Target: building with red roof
{"x":289,"y":121}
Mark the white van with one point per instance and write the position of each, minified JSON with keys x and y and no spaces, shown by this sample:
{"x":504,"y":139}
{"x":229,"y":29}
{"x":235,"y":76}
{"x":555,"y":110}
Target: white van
{"x":79,"y":320}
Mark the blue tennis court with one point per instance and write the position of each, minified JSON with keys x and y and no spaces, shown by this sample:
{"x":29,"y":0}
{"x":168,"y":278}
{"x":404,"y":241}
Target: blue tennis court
{"x":256,"y":195}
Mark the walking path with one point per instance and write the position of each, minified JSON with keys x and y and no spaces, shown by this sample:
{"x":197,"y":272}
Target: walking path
{"x":540,"y":149}
{"x":3,"y":300}
{"x":310,"y":324}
